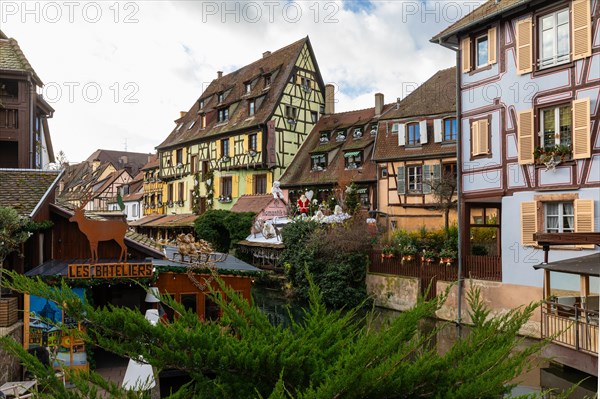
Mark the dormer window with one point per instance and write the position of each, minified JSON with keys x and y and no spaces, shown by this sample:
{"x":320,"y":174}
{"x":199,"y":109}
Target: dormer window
{"x":267,"y":80}
{"x":373,"y":129}
{"x":353,"y":159}
{"x":248,"y":88}
{"x":318,"y":162}
{"x":324,"y":138}
{"x":251,"y":107}
{"x":357,"y":134}
{"x":395,"y":127}
{"x":223,"y":115}
{"x":340,"y":135}
{"x":221,"y":97}
{"x":413,"y":136}
{"x":179,"y":127}
{"x":203,"y":121}
{"x":201,"y":104}
{"x":191,"y":124}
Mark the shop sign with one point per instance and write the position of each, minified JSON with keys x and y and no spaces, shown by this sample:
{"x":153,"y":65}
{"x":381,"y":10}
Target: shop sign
{"x":110,"y":270}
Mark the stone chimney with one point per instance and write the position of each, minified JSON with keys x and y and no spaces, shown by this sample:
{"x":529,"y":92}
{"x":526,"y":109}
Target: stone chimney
{"x":219,"y":74}
{"x":182,"y":114}
{"x":329,"y":99}
{"x":378,"y":104}
{"x":266,"y":54}
{"x":124,"y":160}
{"x":95,"y":164}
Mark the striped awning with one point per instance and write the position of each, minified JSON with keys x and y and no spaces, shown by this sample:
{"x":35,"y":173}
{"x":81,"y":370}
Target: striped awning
{"x":361,"y":191}
{"x":351,"y":154}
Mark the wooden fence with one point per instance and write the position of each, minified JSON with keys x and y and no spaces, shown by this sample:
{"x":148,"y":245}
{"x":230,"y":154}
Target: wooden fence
{"x":476,"y":267}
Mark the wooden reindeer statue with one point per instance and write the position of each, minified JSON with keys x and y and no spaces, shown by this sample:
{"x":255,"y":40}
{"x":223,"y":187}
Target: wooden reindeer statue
{"x":100,"y":230}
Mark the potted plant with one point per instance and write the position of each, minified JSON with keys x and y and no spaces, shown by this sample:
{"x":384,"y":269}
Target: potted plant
{"x":387,"y":252}
{"x":408,"y":252}
{"x":448,"y":255}
{"x":429,"y":256}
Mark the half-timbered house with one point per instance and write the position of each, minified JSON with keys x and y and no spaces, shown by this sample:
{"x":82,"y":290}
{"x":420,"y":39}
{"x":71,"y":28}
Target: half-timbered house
{"x":415,"y":152}
{"x":529,"y":134}
{"x":243,"y":131}
{"x":24,"y":134}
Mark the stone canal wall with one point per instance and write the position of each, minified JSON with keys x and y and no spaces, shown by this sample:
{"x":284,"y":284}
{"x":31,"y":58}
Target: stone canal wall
{"x":400,"y":293}
{"x":10,"y":367}
{"x":393,"y":292}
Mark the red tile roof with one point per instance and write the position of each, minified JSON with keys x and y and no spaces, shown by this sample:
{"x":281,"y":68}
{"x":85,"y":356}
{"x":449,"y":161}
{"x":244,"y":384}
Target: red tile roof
{"x":252,"y":203}
{"x":435,"y":97}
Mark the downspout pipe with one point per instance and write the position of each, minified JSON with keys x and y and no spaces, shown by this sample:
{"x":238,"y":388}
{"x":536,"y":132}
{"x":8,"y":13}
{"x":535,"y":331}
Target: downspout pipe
{"x":31,"y":121}
{"x":459,"y":180}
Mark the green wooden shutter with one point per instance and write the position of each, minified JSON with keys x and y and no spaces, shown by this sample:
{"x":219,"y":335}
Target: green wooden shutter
{"x":426,"y":180}
{"x":401,"y":180}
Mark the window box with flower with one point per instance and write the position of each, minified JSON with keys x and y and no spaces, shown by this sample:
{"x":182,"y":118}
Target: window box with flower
{"x":552,"y":156}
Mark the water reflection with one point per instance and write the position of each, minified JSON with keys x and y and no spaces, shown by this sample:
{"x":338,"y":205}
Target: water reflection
{"x":542,"y":376}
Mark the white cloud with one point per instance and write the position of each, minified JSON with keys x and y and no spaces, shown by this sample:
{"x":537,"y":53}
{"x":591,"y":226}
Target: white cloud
{"x":151,"y":60}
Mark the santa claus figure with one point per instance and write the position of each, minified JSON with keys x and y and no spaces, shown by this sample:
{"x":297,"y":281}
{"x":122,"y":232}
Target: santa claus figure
{"x":303,"y":204}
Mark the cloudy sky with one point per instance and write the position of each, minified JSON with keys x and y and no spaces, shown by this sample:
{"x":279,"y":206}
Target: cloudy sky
{"x":118,"y":73}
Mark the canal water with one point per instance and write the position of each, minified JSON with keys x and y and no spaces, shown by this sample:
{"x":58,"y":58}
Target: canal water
{"x":540,"y":378}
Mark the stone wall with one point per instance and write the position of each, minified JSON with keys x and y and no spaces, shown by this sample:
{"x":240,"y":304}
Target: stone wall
{"x":393,"y":292}
{"x":499,"y":297}
{"x":10,"y":367}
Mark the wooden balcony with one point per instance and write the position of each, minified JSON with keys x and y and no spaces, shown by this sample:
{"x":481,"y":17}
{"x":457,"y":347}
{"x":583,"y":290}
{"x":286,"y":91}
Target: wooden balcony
{"x":476,"y":267}
{"x":573,"y":326}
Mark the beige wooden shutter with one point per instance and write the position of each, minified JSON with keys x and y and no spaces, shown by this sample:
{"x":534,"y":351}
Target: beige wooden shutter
{"x":246,"y":143}
{"x":524,"y":46}
{"x":230,"y":155}
{"x":465,"y":49}
{"x":217,"y":186}
{"x":484,"y":137}
{"x":491,"y":46}
{"x":259,"y":141}
{"x":528,"y":223}
{"x":235,"y":182}
{"x":582,"y":141}
{"x":475,"y":138}
{"x":584,"y":218}
{"x":219,"y":149}
{"x":525,"y":137}
{"x":269,"y":181}
{"x":581,"y":29}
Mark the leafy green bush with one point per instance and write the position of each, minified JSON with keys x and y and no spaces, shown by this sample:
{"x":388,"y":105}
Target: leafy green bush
{"x":432,"y":242}
{"x":335,"y":255}
{"x":223,"y":228}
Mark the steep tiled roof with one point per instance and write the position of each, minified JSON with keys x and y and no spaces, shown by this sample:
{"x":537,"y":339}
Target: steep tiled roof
{"x":437,"y":96}
{"x":299,"y":172}
{"x":23,"y":189}
{"x":121,"y":159}
{"x":278,"y":64}
{"x":252,"y":203}
{"x":486,"y":11}
{"x":152,"y":163}
{"x":13,"y":59}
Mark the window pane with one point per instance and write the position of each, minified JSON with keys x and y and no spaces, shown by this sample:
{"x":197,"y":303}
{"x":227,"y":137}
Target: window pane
{"x":563,"y":17}
{"x":482,"y":51}
{"x":552,"y":208}
{"x":568,"y":208}
{"x":563,"y":40}
{"x":549,"y":131}
{"x":548,"y":22}
{"x":565,"y":125}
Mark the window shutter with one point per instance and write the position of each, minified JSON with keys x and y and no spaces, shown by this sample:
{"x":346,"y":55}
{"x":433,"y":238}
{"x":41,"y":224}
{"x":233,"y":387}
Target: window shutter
{"x":426,"y":180}
{"x":581,"y":129}
{"x":484,"y":145}
{"x":217,"y":186}
{"x":401,"y":183}
{"x":465,"y":50}
{"x":230,"y":147}
{"x":584,"y":218}
{"x":423,"y":131}
{"x":525,"y":137}
{"x":250,"y":179}
{"x":438,"y":130}
{"x":437,"y":174}
{"x":524,"y":46}
{"x":528,"y":223}
{"x":492,"y":46}
{"x":581,"y":30}
{"x":235,"y":192}
{"x":219,"y":149}
{"x":259,"y":141}
{"x":401,"y":134}
{"x":474,"y":138}
{"x":269,"y":182}
{"x":246,"y":143}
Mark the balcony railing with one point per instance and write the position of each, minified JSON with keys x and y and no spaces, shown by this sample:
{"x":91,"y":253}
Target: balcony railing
{"x":570,"y":326}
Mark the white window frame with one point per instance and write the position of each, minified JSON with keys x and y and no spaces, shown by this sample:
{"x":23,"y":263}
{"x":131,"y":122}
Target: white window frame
{"x":251,"y":108}
{"x":417,"y":129}
{"x":557,"y":138}
{"x":561,"y":215}
{"x":556,"y":59}
{"x":417,"y":173}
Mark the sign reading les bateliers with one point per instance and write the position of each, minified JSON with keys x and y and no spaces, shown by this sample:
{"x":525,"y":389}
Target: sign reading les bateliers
{"x":110,"y":270}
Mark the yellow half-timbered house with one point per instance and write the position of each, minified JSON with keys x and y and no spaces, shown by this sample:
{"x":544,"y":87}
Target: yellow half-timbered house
{"x":242,"y":132}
